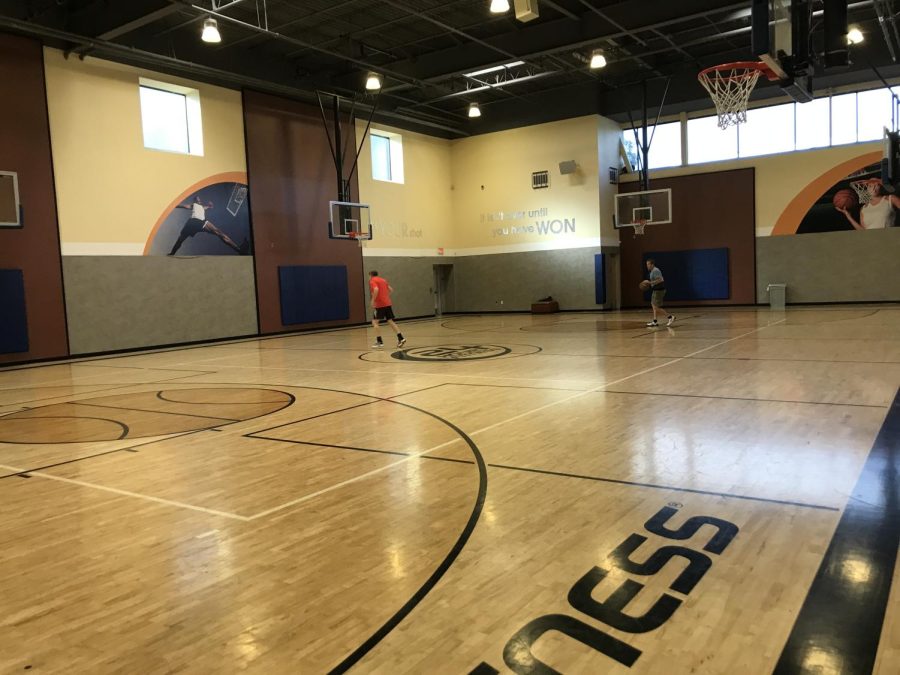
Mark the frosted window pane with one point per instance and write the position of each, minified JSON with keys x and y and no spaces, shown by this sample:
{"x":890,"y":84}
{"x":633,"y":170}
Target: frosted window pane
{"x":874,"y":110}
{"x":767,"y":131}
{"x":381,"y":157}
{"x":164,"y":119}
{"x":843,"y":119}
{"x":666,"y":147}
{"x":708,"y":143}
{"x":813,"y":124}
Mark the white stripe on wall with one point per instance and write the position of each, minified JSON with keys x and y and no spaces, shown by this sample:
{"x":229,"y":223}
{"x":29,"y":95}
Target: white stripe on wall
{"x":101,"y":248}
{"x":370,"y":251}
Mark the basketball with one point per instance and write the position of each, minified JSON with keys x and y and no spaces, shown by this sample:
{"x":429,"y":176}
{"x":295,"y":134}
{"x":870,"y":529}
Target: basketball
{"x":845,"y":199}
{"x":644,"y":285}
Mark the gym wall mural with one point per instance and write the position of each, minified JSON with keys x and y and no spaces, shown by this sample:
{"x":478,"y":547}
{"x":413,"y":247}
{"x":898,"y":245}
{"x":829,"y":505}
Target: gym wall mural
{"x":847,"y":197}
{"x":211,"y":217}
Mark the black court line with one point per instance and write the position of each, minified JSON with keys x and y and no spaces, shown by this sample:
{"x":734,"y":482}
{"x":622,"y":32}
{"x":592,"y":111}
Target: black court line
{"x":130,"y":448}
{"x":736,"y":398}
{"x":360,"y":652}
{"x":315,"y":417}
{"x":121,"y":425}
{"x":287,"y":404}
{"x":160,"y":412}
{"x":170,"y":370}
{"x":844,"y":611}
{"x":74,"y":393}
{"x":655,"y":486}
{"x":507,"y":386}
{"x":331,"y":445}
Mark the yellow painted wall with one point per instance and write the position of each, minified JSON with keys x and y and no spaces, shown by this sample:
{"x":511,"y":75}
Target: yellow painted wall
{"x":110,"y":189}
{"x":442,"y":203}
{"x":492,"y":176}
{"x":779,"y":178}
{"x":415,"y":217}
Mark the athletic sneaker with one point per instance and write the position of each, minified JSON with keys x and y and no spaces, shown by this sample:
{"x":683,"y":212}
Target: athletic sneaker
{"x":671,"y":320}
{"x":378,"y":345}
{"x":401,"y":342}
{"x":652,"y":324}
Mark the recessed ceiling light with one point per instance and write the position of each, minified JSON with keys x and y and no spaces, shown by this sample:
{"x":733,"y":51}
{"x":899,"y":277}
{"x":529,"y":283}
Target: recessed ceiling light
{"x":855,"y":36}
{"x":210,"y":31}
{"x":373,"y":82}
{"x":474,"y":110}
{"x":598,"y":60}
{"x":499,"y":6}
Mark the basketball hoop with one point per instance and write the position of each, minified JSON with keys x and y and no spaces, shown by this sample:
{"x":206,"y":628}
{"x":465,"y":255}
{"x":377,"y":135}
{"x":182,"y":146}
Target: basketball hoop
{"x":359,"y":237}
{"x":866,"y":189}
{"x":730,"y":86}
{"x":639,"y":228}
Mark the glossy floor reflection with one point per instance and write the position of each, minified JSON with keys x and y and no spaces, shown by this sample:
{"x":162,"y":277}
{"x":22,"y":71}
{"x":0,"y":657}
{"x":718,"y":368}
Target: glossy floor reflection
{"x":572,"y":491}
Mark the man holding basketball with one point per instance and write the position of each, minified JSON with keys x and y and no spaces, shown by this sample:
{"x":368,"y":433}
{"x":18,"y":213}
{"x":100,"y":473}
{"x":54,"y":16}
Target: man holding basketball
{"x":382,"y":309}
{"x":657,"y":284}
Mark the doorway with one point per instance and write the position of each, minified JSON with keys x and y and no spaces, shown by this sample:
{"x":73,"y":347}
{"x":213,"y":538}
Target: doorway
{"x":442,"y":289}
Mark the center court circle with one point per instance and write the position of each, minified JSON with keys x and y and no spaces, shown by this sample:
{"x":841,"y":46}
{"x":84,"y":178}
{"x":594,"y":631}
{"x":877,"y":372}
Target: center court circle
{"x":452,"y":352}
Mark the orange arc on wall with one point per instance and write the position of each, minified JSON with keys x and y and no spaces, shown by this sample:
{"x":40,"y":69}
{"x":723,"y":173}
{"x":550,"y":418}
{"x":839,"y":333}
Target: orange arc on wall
{"x":227,"y":177}
{"x":790,"y":219}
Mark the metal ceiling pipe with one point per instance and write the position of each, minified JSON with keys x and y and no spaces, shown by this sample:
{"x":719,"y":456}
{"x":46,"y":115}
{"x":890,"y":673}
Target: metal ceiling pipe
{"x":300,"y":43}
{"x":191,"y":69}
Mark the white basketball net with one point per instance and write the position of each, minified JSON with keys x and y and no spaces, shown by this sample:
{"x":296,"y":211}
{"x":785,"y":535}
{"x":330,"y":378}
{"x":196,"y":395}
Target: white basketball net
{"x":639,"y":228}
{"x":865,"y":189}
{"x":730,"y":90}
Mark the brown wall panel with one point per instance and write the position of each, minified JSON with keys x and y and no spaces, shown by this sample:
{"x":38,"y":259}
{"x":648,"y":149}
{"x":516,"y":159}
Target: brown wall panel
{"x":25,"y":149}
{"x":292,"y":179}
{"x":709,"y":210}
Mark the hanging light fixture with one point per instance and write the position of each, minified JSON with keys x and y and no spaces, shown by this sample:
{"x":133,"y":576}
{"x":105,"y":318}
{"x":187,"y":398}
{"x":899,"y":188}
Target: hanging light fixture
{"x":598,"y":60}
{"x":474,"y":110}
{"x":499,"y":6}
{"x":855,"y":36}
{"x":210,"y":31}
{"x":373,"y":81}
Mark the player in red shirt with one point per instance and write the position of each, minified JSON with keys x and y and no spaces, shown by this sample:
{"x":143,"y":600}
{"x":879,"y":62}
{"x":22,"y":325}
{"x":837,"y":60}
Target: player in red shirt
{"x":381,"y":291}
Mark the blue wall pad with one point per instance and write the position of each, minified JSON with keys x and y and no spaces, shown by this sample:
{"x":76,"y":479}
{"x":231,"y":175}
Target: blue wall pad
{"x":600,"y":278}
{"x":312,"y":293}
{"x":700,"y":274}
{"x":13,"y":320}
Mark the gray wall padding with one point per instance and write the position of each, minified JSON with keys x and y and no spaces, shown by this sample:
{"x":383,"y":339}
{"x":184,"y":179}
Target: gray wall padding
{"x":412,"y":280}
{"x":519,"y":279}
{"x":478,"y":283}
{"x":831,"y":267}
{"x":125,"y":302}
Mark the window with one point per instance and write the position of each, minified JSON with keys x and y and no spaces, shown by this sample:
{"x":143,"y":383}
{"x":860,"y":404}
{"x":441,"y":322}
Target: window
{"x":170,"y":117}
{"x":665,"y":146}
{"x":381,"y":157}
{"x":843,"y":119}
{"x":873,"y":111}
{"x":387,"y":156}
{"x":813,"y":124}
{"x":708,"y":143}
{"x":767,"y":131}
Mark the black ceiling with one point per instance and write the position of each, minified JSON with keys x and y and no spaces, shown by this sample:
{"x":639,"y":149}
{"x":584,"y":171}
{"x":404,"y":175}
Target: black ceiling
{"x":423,"y":48}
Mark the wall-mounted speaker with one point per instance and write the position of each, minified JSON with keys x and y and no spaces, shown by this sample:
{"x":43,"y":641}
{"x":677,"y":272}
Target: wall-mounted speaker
{"x":526,"y":10}
{"x":568,"y":166}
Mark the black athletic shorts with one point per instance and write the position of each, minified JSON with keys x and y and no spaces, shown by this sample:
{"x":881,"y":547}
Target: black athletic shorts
{"x":384,"y":313}
{"x":192,"y":226}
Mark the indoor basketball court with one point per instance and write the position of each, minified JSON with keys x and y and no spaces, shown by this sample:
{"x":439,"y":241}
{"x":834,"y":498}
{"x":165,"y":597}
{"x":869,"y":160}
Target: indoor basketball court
{"x":644,"y":412}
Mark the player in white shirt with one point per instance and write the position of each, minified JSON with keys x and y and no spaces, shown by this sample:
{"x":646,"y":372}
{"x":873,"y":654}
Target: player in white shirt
{"x":198,"y":223}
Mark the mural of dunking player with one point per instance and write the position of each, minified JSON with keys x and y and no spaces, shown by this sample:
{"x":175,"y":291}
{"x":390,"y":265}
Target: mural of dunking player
{"x":211,"y":220}
{"x":856,"y":202}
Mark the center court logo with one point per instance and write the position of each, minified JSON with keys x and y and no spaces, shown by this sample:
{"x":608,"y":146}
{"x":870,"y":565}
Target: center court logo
{"x":452,"y":353}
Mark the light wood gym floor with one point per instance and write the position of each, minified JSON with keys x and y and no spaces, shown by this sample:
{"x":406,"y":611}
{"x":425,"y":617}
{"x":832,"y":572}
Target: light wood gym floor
{"x":304,"y":504}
